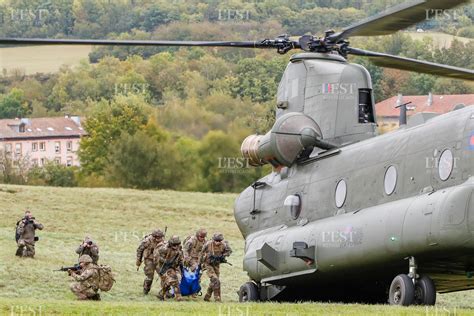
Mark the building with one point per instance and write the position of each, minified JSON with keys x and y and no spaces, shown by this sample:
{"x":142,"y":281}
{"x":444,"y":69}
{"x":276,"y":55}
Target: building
{"x":388,"y":115}
{"x":40,"y":140}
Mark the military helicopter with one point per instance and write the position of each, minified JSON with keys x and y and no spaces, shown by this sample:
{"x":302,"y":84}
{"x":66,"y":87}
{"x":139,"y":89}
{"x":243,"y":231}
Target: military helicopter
{"x":347,"y":214}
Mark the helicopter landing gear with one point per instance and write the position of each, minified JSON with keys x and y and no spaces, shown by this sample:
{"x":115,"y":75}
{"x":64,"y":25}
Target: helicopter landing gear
{"x":408,"y":289}
{"x":425,"y":291}
{"x":248,"y":292}
{"x":402,"y":291}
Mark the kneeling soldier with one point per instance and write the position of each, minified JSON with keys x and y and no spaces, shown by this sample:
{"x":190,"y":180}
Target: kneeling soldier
{"x":90,"y":248}
{"x":148,"y":246}
{"x":170,"y":261}
{"x":213,"y":254}
{"x":87,"y":279}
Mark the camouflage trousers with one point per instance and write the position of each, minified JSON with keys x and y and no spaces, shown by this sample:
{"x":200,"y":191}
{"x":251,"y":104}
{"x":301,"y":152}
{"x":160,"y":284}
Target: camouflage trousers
{"x":170,"y":280}
{"x":25,"y":248}
{"x":149,"y":269}
{"x":213,"y":273}
{"x":82,"y":292}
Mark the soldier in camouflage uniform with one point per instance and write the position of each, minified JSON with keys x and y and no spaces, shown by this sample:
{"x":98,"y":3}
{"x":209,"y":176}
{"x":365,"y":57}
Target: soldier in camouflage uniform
{"x":213,"y":252}
{"x":170,"y":259}
{"x":25,"y":232}
{"x":192,"y":249}
{"x":90,"y":248}
{"x":145,"y":252}
{"x":86,"y":285}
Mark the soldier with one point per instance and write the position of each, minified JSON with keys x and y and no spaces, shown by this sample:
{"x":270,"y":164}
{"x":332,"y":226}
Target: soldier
{"x":86,"y":285}
{"x":145,"y":252}
{"x":90,"y":248}
{"x":170,"y":259}
{"x":213,"y":254}
{"x":25,"y":235}
{"x":192,"y":249}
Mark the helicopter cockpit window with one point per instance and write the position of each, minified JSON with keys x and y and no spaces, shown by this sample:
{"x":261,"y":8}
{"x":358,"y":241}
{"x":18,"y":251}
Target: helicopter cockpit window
{"x":445,"y":165}
{"x":390,"y":181}
{"x":366,"y":114}
{"x":293,"y":202}
{"x":341,"y":193}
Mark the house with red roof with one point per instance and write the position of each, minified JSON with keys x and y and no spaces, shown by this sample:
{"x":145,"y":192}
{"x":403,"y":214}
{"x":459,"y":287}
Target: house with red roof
{"x":388,"y":113}
{"x":40,"y":140}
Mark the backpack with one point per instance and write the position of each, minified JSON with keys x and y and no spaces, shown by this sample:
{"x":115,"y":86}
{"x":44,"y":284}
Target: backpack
{"x":106,"y":278}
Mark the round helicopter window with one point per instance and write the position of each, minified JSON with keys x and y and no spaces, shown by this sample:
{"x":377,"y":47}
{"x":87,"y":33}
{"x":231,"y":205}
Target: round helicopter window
{"x":445,"y":165}
{"x":341,"y":193}
{"x":294,"y":204}
{"x":390,"y":181}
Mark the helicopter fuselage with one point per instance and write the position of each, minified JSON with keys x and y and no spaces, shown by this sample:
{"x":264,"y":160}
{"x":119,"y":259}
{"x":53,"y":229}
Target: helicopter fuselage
{"x":405,"y":193}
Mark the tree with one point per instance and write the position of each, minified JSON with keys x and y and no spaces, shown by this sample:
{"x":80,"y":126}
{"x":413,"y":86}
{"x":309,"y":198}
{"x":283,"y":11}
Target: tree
{"x":14,"y":104}
{"x":109,"y":119}
{"x":142,"y":161}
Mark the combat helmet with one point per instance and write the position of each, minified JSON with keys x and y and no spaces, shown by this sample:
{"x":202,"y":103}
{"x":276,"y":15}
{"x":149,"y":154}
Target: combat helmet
{"x":218,"y":237}
{"x":201,"y":233}
{"x":157,"y":233}
{"x":174,"y":240}
{"x":85,"y":259}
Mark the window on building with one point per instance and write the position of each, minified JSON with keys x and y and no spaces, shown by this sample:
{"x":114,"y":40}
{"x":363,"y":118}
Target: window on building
{"x":69,"y":146}
{"x":42,"y":146}
{"x":22,"y":128}
{"x":57,"y":160}
{"x":18,"y":149}
{"x":69,"y":161}
{"x":8,"y":148}
{"x":34,"y":146}
{"x":42,"y":161}
{"x":57,"y":147}
{"x":35,"y":162}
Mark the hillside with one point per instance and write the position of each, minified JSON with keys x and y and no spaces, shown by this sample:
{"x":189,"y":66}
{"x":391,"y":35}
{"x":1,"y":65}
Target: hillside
{"x":440,"y":40}
{"x":115,"y":218}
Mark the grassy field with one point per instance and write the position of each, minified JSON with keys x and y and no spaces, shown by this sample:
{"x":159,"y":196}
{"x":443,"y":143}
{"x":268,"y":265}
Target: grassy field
{"x":439,"y":39}
{"x":116,"y":219}
{"x":45,"y":59}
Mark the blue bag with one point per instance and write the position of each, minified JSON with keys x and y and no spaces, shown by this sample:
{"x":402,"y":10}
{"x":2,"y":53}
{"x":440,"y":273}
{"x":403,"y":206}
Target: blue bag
{"x":190,"y":282}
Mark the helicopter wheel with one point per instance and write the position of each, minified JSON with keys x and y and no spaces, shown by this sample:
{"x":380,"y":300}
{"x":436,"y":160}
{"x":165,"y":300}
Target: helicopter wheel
{"x":248,"y":292}
{"x":402,"y":291}
{"x":425,"y":291}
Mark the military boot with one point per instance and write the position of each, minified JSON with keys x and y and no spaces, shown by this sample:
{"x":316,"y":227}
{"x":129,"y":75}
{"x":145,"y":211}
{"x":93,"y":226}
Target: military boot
{"x":146,"y":286}
{"x":96,"y":297}
{"x":161,"y":295}
{"x":19,"y":252}
{"x":207,"y":297}
{"x":217,"y":294}
{"x":178,"y":297}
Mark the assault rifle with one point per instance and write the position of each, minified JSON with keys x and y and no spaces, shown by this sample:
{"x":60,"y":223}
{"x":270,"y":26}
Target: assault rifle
{"x":167,"y":264}
{"x":215,"y":260}
{"x":75,"y":268}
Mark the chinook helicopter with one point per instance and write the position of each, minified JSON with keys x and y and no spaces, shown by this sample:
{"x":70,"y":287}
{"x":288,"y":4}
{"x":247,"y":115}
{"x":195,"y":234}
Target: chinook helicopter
{"x":347,"y":214}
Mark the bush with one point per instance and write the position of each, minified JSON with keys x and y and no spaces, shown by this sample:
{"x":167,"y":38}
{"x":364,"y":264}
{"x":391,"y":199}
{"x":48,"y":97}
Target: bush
{"x":53,"y":174}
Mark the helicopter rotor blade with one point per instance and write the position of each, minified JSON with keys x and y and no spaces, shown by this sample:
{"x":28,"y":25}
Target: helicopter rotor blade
{"x":281,"y":43}
{"x":397,"y":18}
{"x":409,"y":64}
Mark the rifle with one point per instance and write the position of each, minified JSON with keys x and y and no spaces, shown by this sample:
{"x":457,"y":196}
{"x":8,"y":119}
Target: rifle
{"x":167,"y":264}
{"x":215,"y":260}
{"x":75,"y":267}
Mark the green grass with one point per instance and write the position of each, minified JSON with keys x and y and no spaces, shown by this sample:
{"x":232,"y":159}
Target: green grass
{"x":116,"y":218}
{"x":44,"y":59}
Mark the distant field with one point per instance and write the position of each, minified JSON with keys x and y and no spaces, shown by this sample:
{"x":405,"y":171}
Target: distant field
{"x":116,"y":218}
{"x":440,"y":39}
{"x":44,"y":59}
